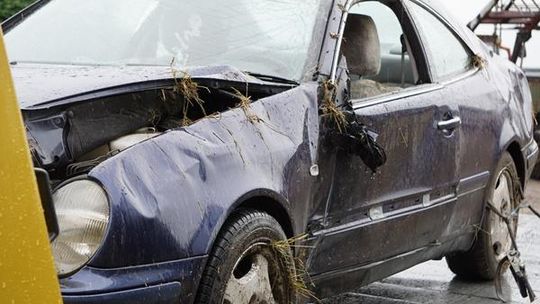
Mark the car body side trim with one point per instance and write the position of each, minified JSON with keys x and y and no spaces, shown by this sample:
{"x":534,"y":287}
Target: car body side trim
{"x":388,"y":217}
{"x":473,"y":183}
{"x":422,"y":89}
{"x":460,"y":77}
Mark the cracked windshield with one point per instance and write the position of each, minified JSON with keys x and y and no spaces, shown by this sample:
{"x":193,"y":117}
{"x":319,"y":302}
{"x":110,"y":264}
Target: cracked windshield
{"x":267,"y":37}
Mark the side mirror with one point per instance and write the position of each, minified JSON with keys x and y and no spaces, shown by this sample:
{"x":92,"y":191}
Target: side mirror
{"x":344,"y":132}
{"x":358,"y":140}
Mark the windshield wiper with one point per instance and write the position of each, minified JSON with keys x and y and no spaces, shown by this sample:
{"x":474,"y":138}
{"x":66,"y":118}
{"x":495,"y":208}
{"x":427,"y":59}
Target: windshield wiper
{"x":271,"y":78}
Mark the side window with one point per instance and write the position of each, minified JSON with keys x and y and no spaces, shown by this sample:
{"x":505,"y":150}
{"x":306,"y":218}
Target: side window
{"x":446,"y":53}
{"x":376,"y":50}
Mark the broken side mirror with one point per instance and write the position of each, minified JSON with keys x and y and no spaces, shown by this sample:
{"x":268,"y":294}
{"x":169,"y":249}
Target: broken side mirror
{"x":344,"y":131}
{"x":357,"y":139}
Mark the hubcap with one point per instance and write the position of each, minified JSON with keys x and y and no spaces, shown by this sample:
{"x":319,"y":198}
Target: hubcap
{"x":503,"y":201}
{"x":251,"y":279}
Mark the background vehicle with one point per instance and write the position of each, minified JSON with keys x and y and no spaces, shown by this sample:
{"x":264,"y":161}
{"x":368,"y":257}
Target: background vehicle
{"x":367,"y":164}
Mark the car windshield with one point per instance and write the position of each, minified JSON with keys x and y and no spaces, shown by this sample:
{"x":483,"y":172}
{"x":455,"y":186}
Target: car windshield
{"x":269,"y":37}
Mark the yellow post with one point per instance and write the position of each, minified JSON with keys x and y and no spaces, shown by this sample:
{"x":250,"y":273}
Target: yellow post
{"x":27,"y":272}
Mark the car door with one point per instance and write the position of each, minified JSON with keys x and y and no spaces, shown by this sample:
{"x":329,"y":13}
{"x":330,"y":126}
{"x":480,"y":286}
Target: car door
{"x":452,"y":64}
{"x":405,"y":206}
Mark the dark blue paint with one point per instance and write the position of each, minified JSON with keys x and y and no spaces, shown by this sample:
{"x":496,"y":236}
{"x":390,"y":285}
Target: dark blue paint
{"x":178,"y":186}
{"x":69,"y":83}
{"x":92,"y":280}
{"x":161,"y":294}
{"x":170,"y":195}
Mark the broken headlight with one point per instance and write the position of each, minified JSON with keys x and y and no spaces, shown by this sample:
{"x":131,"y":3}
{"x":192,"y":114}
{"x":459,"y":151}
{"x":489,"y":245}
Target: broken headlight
{"x":82,"y":209}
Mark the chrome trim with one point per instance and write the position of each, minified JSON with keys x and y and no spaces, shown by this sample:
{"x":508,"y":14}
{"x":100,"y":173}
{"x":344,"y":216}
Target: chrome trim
{"x":414,"y":91}
{"x":459,"y":77}
{"x":531,"y":151}
{"x":450,"y":26}
{"x":389,"y":216}
{"x":534,"y":150}
{"x":528,"y":146}
{"x":449,"y":124}
{"x":339,"y":40}
{"x":473,"y":183}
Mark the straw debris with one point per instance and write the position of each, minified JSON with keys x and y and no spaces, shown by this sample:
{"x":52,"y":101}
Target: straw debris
{"x":185,"y":86}
{"x":330,"y":108}
{"x":478,"y":62}
{"x":300,"y":276}
{"x":244,"y":103}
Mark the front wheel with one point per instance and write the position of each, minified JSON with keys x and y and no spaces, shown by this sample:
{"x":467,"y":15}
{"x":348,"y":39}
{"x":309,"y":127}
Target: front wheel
{"x":245,"y":267}
{"x":493,"y":239}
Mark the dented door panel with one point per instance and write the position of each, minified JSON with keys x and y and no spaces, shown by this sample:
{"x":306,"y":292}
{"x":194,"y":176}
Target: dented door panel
{"x":406,"y":204}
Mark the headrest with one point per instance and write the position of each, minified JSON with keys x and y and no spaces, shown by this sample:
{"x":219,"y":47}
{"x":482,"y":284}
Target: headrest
{"x":361,"y":45}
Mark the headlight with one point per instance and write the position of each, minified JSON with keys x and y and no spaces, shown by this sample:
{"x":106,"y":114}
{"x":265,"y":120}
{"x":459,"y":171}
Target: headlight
{"x":82,"y":209}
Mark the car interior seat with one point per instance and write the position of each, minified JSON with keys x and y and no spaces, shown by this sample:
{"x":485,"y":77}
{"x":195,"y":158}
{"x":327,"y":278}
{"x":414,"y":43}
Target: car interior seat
{"x":362,"y":50}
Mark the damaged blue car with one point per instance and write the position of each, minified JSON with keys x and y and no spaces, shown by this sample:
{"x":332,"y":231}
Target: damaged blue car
{"x":267,"y":151}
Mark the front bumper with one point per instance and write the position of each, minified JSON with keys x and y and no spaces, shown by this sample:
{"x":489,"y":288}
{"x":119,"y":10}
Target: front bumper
{"x":160,"y":294}
{"x":160,"y":283}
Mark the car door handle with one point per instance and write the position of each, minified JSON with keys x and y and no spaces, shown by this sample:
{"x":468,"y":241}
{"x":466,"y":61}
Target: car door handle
{"x":449,"y":124}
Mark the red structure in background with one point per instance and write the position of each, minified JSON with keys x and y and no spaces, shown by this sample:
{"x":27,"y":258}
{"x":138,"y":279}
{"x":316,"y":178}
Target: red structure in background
{"x":520,"y":15}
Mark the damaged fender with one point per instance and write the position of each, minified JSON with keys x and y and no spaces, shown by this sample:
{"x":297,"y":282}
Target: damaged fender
{"x":182,"y":185}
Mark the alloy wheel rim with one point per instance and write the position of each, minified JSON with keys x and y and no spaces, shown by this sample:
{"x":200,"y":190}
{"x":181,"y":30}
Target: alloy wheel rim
{"x":255,"y":277}
{"x":504,"y":202}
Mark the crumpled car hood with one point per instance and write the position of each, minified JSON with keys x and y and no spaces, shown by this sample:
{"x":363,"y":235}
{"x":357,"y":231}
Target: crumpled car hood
{"x":43,"y":83}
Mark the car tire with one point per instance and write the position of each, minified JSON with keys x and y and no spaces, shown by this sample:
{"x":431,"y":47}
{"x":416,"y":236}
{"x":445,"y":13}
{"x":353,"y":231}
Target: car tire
{"x":493,"y":239}
{"x":251,"y":262}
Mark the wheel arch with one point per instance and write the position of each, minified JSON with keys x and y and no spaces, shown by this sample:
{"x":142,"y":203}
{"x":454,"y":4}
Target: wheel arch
{"x":270,"y":204}
{"x":263,"y":200}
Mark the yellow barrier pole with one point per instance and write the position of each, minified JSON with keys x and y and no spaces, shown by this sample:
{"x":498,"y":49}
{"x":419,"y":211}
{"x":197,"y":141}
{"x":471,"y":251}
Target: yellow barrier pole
{"x":27,"y":272}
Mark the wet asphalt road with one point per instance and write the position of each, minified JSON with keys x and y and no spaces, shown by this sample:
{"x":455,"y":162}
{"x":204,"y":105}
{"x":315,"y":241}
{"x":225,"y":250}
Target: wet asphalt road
{"x":433,"y":282}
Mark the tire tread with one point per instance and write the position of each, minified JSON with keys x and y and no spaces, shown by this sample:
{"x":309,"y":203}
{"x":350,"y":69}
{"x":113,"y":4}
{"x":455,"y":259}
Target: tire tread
{"x":243,"y":219}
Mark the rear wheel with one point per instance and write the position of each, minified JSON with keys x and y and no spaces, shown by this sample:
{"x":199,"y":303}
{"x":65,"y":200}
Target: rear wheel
{"x":493,"y":240}
{"x":246,"y":267}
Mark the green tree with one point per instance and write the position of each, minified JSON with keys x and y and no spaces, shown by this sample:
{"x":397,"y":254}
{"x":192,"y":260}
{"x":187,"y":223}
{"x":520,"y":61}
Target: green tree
{"x":10,"y":7}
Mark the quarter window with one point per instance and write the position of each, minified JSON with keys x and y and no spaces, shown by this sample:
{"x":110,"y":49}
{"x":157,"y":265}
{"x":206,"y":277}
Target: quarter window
{"x":446,"y":53}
